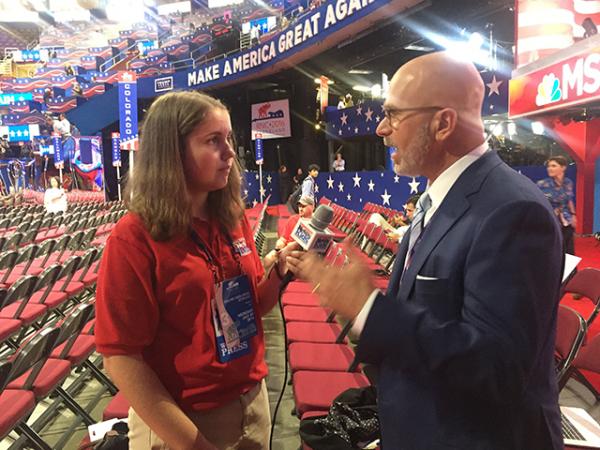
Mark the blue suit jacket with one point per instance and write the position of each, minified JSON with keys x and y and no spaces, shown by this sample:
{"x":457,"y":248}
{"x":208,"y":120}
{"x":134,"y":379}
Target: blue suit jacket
{"x":466,"y":354}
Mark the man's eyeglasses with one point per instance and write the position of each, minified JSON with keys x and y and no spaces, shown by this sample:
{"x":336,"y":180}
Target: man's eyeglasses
{"x":389,"y":113}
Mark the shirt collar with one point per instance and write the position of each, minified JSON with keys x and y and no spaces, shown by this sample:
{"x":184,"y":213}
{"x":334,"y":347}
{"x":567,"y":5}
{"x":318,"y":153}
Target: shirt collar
{"x":444,"y":182}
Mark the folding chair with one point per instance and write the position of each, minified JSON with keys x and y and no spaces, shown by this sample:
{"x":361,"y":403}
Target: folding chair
{"x":586,"y":282}
{"x":16,"y":406}
{"x":16,"y":305}
{"x":570,"y":334}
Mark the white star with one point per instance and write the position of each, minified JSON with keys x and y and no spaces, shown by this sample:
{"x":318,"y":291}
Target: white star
{"x":368,"y":114}
{"x":257,"y":176}
{"x":381,"y":174}
{"x":349,"y":197}
{"x":344,"y":119}
{"x":359,"y":111}
{"x":341,"y":187}
{"x":396,"y":179}
{"x":246,"y":192}
{"x":329,"y":182}
{"x":356,"y":179}
{"x":254,"y":202}
{"x":404,"y":206}
{"x":340,"y":132}
{"x":377,"y":119}
{"x":386,"y":197}
{"x":316,"y":188}
{"x":360,"y":200}
{"x":414,"y":186}
{"x":494,"y":86}
{"x":371,"y":186}
{"x":269,"y":179}
{"x":262,"y":191}
{"x":356,"y":130}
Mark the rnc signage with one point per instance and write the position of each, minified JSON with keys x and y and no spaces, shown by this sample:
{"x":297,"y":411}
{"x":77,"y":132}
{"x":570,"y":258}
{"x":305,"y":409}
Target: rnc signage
{"x":571,"y":82}
{"x":128,"y":118}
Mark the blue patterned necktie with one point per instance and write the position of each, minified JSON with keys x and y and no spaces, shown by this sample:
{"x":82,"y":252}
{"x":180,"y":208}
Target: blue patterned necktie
{"x":416,"y":227}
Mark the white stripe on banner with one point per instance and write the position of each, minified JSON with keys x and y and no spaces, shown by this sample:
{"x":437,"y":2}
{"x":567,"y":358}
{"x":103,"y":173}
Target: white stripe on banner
{"x":587,"y":6}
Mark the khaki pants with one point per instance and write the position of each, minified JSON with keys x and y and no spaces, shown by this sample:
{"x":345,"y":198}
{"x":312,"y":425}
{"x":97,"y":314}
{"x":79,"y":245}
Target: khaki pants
{"x":243,"y":424}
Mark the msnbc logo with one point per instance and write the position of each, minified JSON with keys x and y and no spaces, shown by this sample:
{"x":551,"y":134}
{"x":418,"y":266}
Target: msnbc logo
{"x":548,"y":90}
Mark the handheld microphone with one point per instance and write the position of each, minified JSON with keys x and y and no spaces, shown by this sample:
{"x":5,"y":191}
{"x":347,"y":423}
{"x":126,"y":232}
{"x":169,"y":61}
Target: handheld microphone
{"x":312,"y":235}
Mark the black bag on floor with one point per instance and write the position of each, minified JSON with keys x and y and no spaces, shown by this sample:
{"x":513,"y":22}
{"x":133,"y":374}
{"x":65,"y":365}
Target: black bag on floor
{"x":351,"y":423}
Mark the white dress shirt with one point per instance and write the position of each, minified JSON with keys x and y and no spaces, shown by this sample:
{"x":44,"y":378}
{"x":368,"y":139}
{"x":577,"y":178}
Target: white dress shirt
{"x":437,"y":192}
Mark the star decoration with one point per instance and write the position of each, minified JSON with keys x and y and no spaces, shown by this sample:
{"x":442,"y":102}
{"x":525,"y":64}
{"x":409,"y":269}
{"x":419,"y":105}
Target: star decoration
{"x":404,"y":206}
{"x":377,"y":119}
{"x":349,"y":197}
{"x":371,"y":186}
{"x":368,"y":115}
{"x":356,"y":179}
{"x":386,"y":197}
{"x":316,"y":188}
{"x":494,"y":86}
{"x":356,"y":130}
{"x":396,"y":179}
{"x":359,"y":111}
{"x":262,"y":191}
{"x":246,"y":192}
{"x":414,"y":186}
{"x":254,"y":202}
{"x":381,"y":174}
{"x":341,"y":187}
{"x":329,"y":182}
{"x":269,"y":178}
{"x":257,"y":176}
{"x":344,"y":119}
{"x":340,"y":132}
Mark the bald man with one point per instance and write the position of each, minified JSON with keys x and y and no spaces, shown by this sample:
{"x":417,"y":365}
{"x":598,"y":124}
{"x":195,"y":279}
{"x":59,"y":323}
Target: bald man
{"x":464,"y":337}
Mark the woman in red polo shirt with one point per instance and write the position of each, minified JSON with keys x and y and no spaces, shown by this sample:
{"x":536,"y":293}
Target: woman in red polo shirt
{"x":181,"y":289}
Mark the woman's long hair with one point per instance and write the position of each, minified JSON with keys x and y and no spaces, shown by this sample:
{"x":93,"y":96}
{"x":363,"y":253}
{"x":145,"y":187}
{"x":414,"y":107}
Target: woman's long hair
{"x":157,"y":191}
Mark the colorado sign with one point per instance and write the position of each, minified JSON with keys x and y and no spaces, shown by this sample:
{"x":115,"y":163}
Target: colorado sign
{"x":571,"y":82}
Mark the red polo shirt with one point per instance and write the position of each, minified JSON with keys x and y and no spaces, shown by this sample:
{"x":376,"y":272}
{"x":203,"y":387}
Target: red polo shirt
{"x":289,"y":227}
{"x":153,"y":298}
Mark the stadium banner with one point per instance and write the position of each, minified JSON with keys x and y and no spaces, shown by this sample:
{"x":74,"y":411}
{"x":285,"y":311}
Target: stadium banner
{"x":128,"y":118}
{"x":271,"y":120}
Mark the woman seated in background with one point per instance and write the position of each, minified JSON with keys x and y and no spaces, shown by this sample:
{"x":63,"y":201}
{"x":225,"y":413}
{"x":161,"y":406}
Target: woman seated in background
{"x":55,"y":198}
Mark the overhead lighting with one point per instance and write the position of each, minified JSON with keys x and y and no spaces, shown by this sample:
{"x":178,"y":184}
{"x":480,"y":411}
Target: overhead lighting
{"x":512,"y":128}
{"x":318,"y":81}
{"x":418,"y":48}
{"x":360,"y":72}
{"x":497,"y":130}
{"x":361,"y":88}
{"x":537,"y":127}
{"x":376,"y":91}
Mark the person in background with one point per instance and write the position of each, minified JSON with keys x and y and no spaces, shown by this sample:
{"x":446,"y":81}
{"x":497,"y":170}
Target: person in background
{"x":4,"y":145}
{"x":69,"y":70}
{"x":590,"y":27}
{"x":339,"y":165}
{"x":306,"y":207}
{"x":254,"y":35}
{"x":348,"y":101}
{"x":297,"y":179}
{"x":309,"y":183}
{"x":181,"y":288}
{"x":47,"y":95}
{"x":285,"y":183}
{"x":341,"y":103}
{"x":77,"y":90}
{"x":62,"y":126}
{"x":55,"y":198}
{"x":558,"y":189}
{"x":464,"y":336}
{"x":409,"y":211}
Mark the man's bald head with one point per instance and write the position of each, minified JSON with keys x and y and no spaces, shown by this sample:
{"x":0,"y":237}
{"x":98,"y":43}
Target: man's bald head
{"x":438,"y":99}
{"x":440,"y":79}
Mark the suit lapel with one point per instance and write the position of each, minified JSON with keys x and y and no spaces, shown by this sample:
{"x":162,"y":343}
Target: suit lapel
{"x":453,"y":207}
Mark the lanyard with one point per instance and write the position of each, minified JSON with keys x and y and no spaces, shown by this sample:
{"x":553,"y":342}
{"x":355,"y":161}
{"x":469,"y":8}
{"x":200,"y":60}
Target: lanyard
{"x":216,"y":268}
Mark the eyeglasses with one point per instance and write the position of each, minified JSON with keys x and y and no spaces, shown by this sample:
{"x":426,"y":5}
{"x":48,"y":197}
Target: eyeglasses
{"x":389,"y":113}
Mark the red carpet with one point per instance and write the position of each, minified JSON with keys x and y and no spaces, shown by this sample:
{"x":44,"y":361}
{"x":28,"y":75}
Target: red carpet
{"x":589,"y":250}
